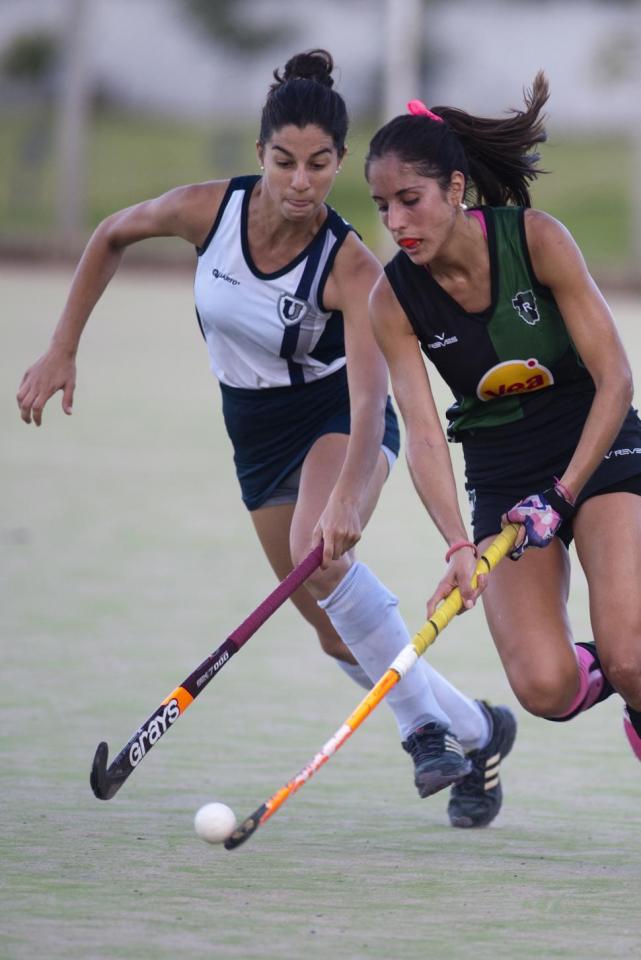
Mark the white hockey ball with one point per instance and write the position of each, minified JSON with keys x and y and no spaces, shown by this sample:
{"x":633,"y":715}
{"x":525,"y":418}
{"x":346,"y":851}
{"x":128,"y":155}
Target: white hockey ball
{"x":215,"y":822}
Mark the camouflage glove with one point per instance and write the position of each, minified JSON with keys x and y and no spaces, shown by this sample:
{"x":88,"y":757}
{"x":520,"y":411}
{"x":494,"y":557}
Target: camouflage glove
{"x":541,"y":514}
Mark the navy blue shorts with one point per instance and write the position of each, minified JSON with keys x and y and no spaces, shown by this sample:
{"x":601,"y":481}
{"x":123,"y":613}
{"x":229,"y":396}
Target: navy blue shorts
{"x":272,"y":430}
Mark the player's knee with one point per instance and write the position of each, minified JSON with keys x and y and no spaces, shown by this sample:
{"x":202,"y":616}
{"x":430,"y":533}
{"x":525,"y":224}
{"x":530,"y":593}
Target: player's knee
{"x":323,"y":582}
{"x":624,"y":673}
{"x":547,"y":695}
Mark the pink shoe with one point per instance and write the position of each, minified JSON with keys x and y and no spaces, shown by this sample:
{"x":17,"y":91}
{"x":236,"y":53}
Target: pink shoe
{"x":633,"y":737}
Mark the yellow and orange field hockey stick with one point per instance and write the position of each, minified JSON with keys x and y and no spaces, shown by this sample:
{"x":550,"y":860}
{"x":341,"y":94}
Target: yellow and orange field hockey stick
{"x":406,"y":659}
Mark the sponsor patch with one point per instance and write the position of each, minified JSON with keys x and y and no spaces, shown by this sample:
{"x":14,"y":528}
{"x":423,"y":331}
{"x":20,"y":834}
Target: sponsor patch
{"x":512,"y":377}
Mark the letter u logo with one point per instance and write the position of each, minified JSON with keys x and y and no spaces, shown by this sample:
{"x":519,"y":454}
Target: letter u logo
{"x":290,"y":309}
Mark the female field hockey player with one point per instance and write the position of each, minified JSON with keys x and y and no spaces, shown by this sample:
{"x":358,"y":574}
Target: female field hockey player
{"x":500,"y":300}
{"x":281,"y":288}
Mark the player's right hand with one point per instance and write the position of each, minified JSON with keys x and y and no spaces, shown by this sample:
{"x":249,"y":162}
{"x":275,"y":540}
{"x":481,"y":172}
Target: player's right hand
{"x":460,"y":573}
{"x":53,"y":371}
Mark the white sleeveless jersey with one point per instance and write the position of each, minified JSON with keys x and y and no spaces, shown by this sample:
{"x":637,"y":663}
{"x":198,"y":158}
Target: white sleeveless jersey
{"x":267,"y":329}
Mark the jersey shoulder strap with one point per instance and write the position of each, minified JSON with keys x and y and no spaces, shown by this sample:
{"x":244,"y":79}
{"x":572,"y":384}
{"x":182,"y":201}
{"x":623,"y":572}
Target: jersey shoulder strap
{"x":418,"y":297}
{"x":236,"y":183}
{"x":512,"y":249}
{"x":338,"y":225}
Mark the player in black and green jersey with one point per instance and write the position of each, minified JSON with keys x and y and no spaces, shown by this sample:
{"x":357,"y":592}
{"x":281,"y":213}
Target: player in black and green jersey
{"x":499,"y":298}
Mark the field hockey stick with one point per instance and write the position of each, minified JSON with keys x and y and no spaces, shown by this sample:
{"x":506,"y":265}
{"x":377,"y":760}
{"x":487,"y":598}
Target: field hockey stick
{"x":106,"y":782}
{"x":406,"y":659}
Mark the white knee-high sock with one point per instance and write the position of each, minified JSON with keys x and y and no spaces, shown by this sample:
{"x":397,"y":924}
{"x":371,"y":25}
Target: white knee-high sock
{"x":467,"y":720}
{"x":365,"y":615}
{"x":356,"y":673}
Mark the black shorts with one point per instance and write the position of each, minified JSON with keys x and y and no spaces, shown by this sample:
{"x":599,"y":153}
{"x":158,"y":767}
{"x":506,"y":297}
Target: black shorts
{"x":501,"y":471}
{"x":488,"y":508}
{"x":272,"y":430}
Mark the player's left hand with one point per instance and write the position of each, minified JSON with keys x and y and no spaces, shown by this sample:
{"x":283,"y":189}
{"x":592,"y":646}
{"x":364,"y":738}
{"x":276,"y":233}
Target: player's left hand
{"x":541,"y":515}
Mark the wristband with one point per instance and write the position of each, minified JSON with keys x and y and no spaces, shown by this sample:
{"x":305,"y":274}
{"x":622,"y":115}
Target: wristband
{"x":565,"y":493}
{"x":459,"y":546}
{"x":557,"y":500}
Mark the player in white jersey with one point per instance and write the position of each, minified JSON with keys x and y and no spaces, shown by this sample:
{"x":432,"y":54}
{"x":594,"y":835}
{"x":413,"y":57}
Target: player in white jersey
{"x":281,"y":288}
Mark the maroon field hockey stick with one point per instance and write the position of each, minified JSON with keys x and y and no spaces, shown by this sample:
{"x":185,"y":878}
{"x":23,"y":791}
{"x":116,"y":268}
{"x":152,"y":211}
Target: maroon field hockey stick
{"x":107,"y":781}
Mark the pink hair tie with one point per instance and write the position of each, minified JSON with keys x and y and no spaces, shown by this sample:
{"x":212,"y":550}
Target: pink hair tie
{"x":418,"y":108}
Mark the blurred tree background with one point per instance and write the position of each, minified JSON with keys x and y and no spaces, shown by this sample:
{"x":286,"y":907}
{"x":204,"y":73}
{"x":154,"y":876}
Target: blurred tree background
{"x":71,"y":152}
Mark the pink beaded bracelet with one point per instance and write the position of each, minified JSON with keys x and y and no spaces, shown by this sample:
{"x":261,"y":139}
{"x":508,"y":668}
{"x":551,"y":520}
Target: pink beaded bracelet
{"x":459,"y":546}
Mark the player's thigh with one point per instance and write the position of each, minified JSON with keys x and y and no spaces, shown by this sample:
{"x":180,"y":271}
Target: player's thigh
{"x":607,"y":534}
{"x":321,"y":469}
{"x":525,"y":604}
{"x":272,"y":524}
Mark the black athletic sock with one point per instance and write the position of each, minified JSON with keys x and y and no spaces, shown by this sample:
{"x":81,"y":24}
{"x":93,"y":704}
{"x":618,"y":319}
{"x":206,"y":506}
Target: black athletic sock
{"x":635,"y":719}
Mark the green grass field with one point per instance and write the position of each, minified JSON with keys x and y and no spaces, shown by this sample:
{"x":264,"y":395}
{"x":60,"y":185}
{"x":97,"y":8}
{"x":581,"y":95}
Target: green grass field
{"x":131,"y":158}
{"x":126,"y":559}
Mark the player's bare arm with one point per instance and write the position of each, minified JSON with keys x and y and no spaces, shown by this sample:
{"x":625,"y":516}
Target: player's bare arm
{"x":427,"y":452}
{"x":353,"y":275}
{"x":559,"y":265}
{"x":186,"y":212}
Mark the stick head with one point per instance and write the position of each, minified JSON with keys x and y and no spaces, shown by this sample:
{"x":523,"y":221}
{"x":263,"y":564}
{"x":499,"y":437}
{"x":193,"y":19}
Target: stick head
{"x":106,"y":783}
{"x":245,"y":829}
{"x":98,"y":775}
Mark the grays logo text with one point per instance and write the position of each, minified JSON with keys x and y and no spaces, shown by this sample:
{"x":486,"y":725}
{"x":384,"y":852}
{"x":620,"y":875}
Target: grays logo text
{"x":153,"y":731}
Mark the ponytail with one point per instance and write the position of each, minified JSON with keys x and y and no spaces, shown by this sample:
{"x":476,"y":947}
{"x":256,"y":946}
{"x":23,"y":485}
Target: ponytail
{"x":496,"y":156}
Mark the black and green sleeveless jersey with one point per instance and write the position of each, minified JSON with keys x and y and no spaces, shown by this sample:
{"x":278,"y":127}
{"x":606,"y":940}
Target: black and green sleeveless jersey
{"x":509,"y":362}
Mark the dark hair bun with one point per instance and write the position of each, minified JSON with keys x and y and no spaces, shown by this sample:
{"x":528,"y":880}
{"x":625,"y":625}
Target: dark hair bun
{"x":312,"y":65}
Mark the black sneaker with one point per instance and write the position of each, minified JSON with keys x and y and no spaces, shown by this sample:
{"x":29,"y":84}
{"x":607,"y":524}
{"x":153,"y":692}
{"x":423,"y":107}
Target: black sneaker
{"x":477,"y":799}
{"x":439,"y":759}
